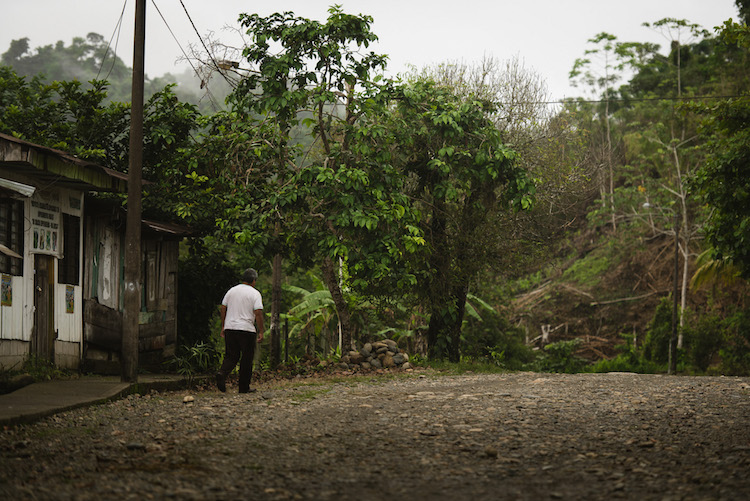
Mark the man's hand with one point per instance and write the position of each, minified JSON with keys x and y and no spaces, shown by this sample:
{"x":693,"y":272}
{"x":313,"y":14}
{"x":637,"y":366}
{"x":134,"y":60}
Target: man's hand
{"x":260,"y":337}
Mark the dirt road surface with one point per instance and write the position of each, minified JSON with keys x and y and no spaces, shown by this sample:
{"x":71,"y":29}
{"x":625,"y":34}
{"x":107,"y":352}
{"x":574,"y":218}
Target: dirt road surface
{"x":423,"y":436}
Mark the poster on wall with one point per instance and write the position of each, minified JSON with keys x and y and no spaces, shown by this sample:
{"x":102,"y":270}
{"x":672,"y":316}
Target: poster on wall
{"x":46,"y":229}
{"x":6,"y":291}
{"x":70,"y":301}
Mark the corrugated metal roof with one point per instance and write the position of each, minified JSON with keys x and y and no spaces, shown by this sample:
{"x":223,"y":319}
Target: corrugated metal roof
{"x":56,"y":167}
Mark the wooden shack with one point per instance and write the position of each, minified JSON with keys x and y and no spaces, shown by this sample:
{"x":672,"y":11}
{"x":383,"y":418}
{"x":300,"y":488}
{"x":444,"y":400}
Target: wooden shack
{"x":104,"y":244}
{"x":61,"y":253}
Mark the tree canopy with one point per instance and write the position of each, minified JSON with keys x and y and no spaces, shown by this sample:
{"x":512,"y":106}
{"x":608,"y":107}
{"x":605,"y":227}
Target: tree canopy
{"x":406,"y":196}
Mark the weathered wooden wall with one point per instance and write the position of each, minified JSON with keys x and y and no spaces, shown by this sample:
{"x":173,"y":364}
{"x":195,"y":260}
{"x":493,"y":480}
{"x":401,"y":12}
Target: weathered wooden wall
{"x":103,"y":305}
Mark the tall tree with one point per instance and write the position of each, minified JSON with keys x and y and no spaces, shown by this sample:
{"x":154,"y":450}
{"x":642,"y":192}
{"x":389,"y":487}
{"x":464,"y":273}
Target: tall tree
{"x":665,"y":135}
{"x":84,"y":59}
{"x":600,"y":69}
{"x":462,"y":173}
{"x":722,"y":182}
{"x":300,"y":66}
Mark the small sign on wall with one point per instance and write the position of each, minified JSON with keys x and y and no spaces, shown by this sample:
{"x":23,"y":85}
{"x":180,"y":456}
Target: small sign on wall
{"x":70,"y":299}
{"x":6,"y":291}
{"x":46,"y":229}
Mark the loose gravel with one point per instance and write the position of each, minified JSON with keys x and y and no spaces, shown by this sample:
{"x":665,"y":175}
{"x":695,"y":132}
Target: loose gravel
{"x":418,"y":436}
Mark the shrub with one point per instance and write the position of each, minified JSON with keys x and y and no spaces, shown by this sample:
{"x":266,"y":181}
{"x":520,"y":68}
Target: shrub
{"x":656,"y":344}
{"x":560,"y":357}
{"x":735,"y":354}
{"x":628,"y":360}
{"x":201,"y":358}
{"x":204,"y":277}
{"x":703,"y":338}
{"x":494,"y":340}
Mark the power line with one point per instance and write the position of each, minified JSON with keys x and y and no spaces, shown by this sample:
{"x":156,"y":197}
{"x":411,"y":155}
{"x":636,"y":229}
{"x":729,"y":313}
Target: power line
{"x":210,"y":55}
{"x":117,"y":29}
{"x":187,"y":58}
{"x":630,"y":100}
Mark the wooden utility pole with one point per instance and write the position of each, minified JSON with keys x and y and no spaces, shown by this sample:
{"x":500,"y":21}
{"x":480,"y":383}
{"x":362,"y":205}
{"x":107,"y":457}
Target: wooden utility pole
{"x":132,"y":294}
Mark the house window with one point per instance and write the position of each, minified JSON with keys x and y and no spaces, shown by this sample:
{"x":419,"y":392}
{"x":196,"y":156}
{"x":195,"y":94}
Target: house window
{"x":11,"y":235}
{"x":69,"y":266}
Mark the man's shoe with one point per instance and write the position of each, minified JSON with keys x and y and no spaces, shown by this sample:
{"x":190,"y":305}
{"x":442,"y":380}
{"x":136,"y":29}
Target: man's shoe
{"x":248,"y":390}
{"x":221,"y":382}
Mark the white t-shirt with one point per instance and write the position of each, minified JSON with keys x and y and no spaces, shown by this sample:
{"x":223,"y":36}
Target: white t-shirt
{"x":241,"y":301}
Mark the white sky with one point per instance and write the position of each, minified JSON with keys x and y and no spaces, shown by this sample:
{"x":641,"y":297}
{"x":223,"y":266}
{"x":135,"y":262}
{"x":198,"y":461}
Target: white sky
{"x":546,"y":35}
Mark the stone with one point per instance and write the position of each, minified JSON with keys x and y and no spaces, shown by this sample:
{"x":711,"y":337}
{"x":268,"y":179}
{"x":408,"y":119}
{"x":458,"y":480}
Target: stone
{"x":406,"y":366}
{"x":399,"y":358}
{"x":356,"y":358}
{"x":376,"y":364}
{"x":366,"y":350}
{"x":366,"y":365}
{"x":490,"y":452}
{"x":388,"y":362}
{"x":188,"y":399}
{"x":392,"y":345}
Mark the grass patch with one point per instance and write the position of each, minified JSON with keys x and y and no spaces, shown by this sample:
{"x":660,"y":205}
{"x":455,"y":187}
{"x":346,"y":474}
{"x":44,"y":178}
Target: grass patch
{"x":589,"y":270}
{"x":308,"y":395}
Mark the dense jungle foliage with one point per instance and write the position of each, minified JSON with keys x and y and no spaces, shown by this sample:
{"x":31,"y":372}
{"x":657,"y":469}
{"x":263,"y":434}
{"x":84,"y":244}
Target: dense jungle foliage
{"x":456,"y":211}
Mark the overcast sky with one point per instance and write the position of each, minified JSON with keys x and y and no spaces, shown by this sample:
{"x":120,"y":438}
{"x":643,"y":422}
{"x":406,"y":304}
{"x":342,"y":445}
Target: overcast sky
{"x":546,"y":35}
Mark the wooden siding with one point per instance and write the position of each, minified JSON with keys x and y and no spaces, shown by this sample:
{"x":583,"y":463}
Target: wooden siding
{"x":102,"y":291}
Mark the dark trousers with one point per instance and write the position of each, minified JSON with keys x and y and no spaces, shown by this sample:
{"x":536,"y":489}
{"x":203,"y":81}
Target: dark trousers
{"x":240,"y":346}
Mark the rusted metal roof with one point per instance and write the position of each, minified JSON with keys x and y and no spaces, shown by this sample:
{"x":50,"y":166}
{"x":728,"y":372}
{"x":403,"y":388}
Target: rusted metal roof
{"x":115,"y":211}
{"x":55,"y":167}
{"x":167,"y":228}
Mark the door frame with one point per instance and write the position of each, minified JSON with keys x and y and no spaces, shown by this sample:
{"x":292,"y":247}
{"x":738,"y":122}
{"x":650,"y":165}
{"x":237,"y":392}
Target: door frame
{"x":43,"y":337}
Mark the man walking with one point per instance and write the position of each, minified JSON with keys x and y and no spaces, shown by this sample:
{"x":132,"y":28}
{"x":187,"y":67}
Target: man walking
{"x":241,"y":311}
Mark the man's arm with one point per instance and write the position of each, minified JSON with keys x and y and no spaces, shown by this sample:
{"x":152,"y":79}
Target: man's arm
{"x":223,"y":314}
{"x":259,"y":324}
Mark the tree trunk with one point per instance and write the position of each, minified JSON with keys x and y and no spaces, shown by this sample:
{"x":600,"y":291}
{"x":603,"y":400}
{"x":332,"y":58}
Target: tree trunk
{"x":444,"y":331}
{"x":459,"y":300}
{"x":447,"y":292}
{"x":276,"y":312}
{"x":611,"y":167}
{"x":331,"y":278}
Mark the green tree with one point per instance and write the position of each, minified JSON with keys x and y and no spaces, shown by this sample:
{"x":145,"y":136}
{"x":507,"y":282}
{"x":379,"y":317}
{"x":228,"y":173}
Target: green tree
{"x":338,"y":203}
{"x":599,"y":69}
{"x":63,"y":115}
{"x":83,"y":60}
{"x":722,"y":182}
{"x":91,"y":58}
{"x":462,"y":174}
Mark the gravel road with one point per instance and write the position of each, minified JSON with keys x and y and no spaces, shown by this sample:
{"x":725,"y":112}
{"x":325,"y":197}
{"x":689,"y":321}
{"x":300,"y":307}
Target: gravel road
{"x":420,"y":436}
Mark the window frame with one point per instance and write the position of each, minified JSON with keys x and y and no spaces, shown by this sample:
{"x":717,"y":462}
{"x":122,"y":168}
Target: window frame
{"x":12,"y":234}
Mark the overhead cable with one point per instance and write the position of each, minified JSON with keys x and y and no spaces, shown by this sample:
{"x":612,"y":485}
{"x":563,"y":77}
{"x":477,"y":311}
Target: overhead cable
{"x":187,"y":58}
{"x":210,"y":55}
{"x":117,"y":29}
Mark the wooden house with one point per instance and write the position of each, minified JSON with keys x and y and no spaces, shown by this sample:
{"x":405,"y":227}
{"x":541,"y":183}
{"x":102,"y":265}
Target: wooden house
{"x":61,"y":264}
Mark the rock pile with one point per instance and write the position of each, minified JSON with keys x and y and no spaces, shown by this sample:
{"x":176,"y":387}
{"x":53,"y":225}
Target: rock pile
{"x":378,"y":355}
